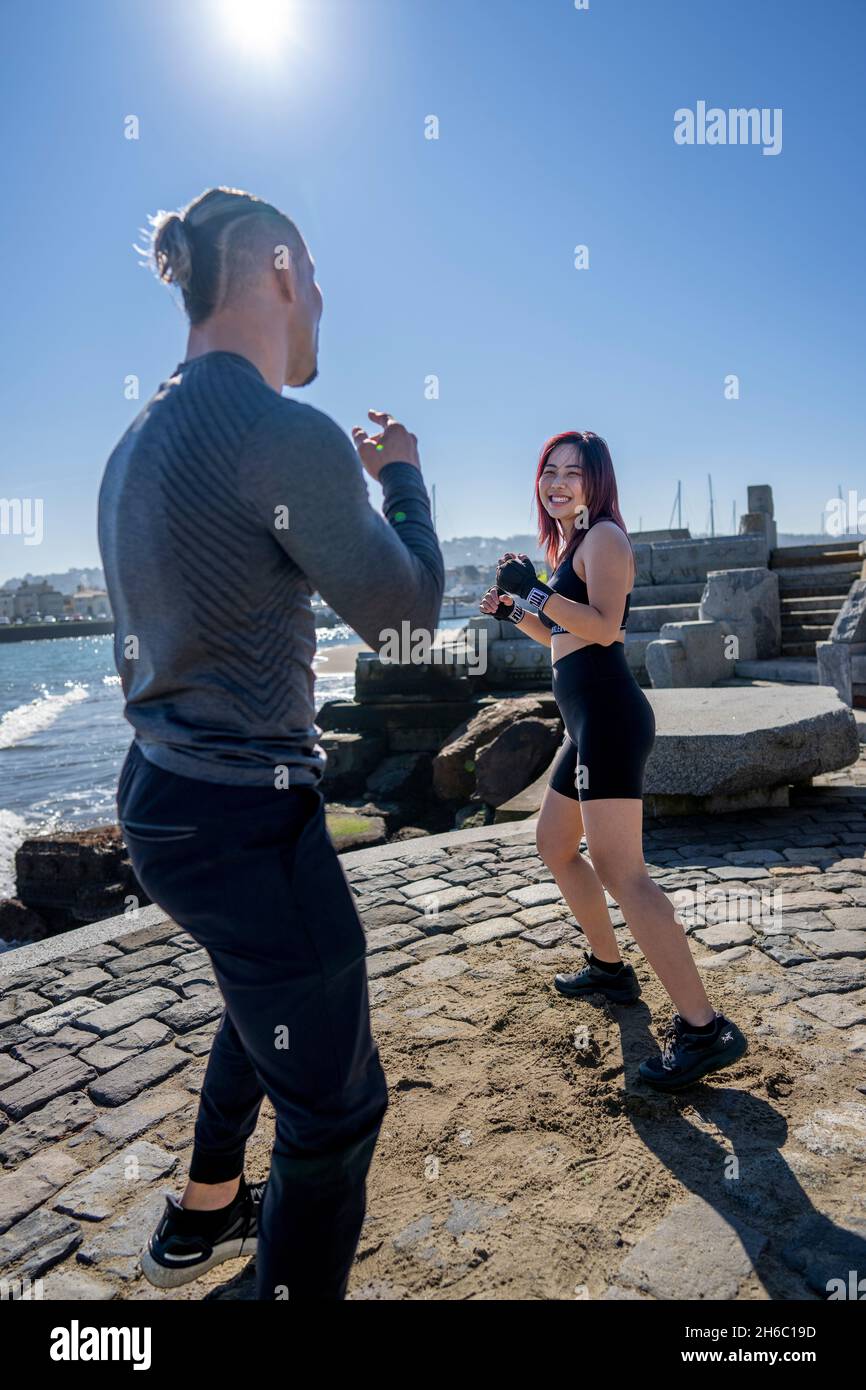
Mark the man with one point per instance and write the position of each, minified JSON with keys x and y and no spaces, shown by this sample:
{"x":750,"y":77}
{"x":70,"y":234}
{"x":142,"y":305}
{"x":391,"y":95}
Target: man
{"x":223,"y":508}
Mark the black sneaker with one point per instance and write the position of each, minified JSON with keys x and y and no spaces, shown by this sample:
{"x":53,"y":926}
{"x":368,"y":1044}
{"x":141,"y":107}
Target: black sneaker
{"x":686,"y":1057}
{"x":623,"y":987}
{"x":184,"y":1246}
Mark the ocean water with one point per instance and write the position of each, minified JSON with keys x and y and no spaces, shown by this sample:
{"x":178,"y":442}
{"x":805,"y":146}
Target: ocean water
{"x":63,"y":736}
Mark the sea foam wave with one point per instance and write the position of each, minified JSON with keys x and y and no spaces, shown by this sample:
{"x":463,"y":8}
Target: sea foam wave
{"x":13,"y":829}
{"x":27,"y":720}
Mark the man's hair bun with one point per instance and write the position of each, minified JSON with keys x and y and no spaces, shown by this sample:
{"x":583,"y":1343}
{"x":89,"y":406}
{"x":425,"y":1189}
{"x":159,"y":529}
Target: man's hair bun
{"x":172,"y":253}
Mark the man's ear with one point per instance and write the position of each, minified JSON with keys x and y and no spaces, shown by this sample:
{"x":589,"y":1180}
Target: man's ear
{"x":285,"y":272}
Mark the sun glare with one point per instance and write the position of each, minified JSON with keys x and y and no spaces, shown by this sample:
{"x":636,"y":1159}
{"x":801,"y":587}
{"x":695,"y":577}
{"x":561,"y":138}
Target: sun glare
{"x":259,"y":27}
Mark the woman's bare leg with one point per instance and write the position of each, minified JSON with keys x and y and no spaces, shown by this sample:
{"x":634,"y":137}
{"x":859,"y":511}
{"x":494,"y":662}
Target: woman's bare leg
{"x":557,"y":836}
{"x":614,"y":837}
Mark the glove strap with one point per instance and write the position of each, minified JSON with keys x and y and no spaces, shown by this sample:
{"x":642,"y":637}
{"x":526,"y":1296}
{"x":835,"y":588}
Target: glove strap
{"x":517,"y":613}
{"x":538,"y":596}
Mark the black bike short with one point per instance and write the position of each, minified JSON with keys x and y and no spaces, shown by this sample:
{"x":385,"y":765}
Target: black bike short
{"x":609,"y":722}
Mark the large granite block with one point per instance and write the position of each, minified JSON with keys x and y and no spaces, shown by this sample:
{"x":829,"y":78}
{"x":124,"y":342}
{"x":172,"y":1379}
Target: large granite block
{"x":746,"y":603}
{"x":736,"y":739}
{"x":850,"y":624}
{"x":678,"y":561}
{"x":704,"y":659}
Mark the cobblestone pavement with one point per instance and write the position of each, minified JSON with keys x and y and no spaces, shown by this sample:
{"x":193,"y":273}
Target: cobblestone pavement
{"x":102,"y":1053}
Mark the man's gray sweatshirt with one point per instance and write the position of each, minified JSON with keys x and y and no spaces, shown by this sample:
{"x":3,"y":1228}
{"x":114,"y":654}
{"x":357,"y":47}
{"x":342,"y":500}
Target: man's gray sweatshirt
{"x":222,"y":509}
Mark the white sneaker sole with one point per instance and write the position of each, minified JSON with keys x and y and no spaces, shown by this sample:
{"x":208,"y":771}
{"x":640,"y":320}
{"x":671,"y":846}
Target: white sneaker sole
{"x":171,"y":1276}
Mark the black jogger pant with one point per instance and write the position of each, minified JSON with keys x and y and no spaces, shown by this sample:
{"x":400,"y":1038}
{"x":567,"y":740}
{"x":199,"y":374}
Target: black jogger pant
{"x":252,"y":875}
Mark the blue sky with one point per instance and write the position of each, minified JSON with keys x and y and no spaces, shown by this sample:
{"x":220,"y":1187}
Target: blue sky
{"x":454,"y":257}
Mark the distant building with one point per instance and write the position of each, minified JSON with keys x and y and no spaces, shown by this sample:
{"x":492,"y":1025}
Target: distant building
{"x":36,"y":599}
{"x":467,"y":583}
{"x":90,"y":603}
{"x":7,"y":604}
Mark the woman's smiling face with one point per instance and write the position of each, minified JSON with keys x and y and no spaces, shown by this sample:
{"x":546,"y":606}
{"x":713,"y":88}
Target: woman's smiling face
{"x":560,"y":486}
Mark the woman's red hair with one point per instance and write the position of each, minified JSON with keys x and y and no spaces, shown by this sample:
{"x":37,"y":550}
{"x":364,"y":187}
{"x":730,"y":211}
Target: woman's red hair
{"x":599,"y":490}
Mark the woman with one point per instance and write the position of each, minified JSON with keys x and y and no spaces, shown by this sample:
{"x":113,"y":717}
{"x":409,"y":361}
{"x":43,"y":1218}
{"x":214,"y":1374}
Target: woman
{"x":596,"y":782}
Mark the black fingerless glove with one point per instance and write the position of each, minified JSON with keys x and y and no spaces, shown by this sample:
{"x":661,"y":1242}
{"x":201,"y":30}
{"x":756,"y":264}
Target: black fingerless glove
{"x":507,"y":612}
{"x":519,"y":577}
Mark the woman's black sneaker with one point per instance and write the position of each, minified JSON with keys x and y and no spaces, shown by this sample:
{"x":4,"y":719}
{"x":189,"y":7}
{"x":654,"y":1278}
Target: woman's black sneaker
{"x":186,"y":1244}
{"x":621,"y":986}
{"x":686,"y":1057}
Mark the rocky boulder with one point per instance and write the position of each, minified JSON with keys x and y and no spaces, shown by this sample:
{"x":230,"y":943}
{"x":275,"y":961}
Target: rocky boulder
{"x":455,"y":765}
{"x":351,"y":758}
{"x":477,"y":813}
{"x":401,"y":776}
{"x":515,"y":757}
{"x":76,"y":877}
{"x":20,"y":923}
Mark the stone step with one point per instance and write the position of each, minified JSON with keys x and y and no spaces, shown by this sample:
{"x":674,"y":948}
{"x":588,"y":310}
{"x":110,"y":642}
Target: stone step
{"x":779,"y":668}
{"x":809,"y":617}
{"x":805,"y":632}
{"x":805,"y":603}
{"x":825,"y":553}
{"x":658,"y":595}
{"x":650,"y":618}
{"x":799,"y":649}
{"x":817,"y":579}
{"x":636,"y":644}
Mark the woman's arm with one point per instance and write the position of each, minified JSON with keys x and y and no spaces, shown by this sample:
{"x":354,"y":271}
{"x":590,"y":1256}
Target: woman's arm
{"x":607,"y":560}
{"x":532,"y":625}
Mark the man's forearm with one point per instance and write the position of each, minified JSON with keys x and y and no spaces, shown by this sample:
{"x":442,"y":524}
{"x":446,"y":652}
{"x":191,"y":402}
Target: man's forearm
{"x":406,"y":508}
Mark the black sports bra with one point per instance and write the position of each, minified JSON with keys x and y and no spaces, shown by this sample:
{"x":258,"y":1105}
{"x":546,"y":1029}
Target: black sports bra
{"x":570,"y":585}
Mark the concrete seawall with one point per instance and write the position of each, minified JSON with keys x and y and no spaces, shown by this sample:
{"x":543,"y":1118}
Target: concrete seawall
{"x":35,"y":632}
